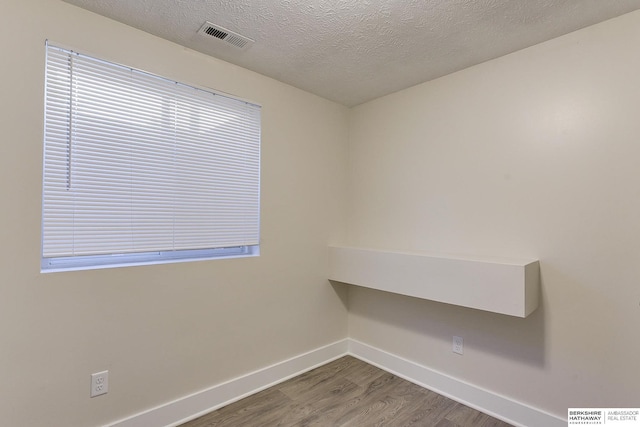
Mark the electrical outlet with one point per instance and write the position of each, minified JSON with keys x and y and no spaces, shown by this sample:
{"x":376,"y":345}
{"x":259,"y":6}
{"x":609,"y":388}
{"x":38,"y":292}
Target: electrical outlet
{"x":99,"y":383}
{"x":458,"y":345}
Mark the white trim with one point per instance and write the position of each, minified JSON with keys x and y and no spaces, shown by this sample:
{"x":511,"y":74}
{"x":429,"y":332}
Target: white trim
{"x":187,"y":408}
{"x":197,"y":404}
{"x":500,"y":407}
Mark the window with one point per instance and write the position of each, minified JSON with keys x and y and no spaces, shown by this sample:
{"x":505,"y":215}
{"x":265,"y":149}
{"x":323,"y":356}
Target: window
{"x":140,"y":169}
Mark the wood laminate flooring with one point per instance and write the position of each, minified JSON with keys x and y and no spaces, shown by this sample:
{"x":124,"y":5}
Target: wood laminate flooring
{"x":346,"y":392}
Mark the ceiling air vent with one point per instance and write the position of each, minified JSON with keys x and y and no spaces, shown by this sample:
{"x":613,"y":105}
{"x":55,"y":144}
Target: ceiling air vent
{"x":222,"y":34}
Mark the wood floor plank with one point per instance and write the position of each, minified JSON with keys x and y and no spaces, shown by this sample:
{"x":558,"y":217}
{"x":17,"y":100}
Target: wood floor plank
{"x":316,"y":377}
{"x":256,"y":410}
{"x":446,"y":423}
{"x":339,"y":411}
{"x":317,"y":405}
{"x":463,"y":415}
{"x":363,"y":373}
{"x":346,"y":393}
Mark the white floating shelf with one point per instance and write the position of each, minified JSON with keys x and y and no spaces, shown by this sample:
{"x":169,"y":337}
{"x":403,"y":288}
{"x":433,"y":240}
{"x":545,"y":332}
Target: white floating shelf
{"x":505,"y":286}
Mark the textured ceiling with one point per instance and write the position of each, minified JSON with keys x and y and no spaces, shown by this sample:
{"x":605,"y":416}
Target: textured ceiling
{"x":352,"y":51}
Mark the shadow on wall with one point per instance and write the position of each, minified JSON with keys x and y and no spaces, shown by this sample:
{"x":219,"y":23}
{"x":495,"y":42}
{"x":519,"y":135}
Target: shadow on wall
{"x":342,"y":292}
{"x":509,"y":337}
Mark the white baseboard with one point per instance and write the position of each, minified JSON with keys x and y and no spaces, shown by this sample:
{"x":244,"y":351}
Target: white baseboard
{"x":500,"y":407}
{"x":190,"y":407}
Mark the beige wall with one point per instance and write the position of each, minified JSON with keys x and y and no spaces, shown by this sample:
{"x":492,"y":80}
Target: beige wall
{"x":535,"y":154}
{"x":169,"y":330}
{"x":531,"y":155}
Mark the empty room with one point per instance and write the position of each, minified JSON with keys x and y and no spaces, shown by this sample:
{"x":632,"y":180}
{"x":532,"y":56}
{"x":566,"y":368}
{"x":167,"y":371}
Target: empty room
{"x":328,"y":213}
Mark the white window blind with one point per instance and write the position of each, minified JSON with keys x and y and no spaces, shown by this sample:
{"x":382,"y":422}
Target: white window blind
{"x":139,"y":165}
